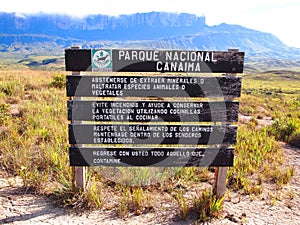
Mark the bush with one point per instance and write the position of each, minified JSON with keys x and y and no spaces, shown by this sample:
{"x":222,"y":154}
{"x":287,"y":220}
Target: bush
{"x":4,"y":113}
{"x":287,"y":129}
{"x":283,"y":128}
{"x":295,"y":139}
{"x":10,"y":88}
{"x":207,"y":205}
{"x":59,"y":81}
{"x":256,"y":153}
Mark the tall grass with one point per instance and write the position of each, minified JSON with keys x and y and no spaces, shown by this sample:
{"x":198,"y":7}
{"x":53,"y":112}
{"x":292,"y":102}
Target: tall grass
{"x":276,"y":96}
{"x":287,"y":123}
{"x":34,"y":145}
{"x":258,"y":155}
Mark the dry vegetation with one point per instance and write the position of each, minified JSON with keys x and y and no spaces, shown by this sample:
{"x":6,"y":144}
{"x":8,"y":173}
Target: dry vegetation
{"x":33,"y":145}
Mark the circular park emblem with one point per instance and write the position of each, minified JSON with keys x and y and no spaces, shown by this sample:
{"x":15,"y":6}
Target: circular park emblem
{"x":101,"y":60}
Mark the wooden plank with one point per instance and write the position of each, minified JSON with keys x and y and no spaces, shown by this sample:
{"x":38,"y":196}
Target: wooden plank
{"x":143,"y":134}
{"x":78,"y":181}
{"x":154,"y":111}
{"x":80,"y":177}
{"x":219,"y":187}
{"x":153,"y":86}
{"x":78,"y":59}
{"x":164,"y":157}
{"x":114,"y":60}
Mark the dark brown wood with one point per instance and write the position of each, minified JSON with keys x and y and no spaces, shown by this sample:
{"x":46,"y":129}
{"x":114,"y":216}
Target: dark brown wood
{"x":78,"y":180}
{"x":220,"y":181}
{"x":165,"y":157}
{"x":157,"y":61}
{"x":78,"y":59}
{"x":147,"y":134}
{"x":134,"y":129}
{"x":221,"y":172}
{"x":154,"y":111}
{"x":149,"y":86}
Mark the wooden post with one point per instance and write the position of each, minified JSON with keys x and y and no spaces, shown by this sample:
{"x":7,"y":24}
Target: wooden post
{"x":78,"y":172}
{"x":220,"y":182}
{"x":219,"y":187}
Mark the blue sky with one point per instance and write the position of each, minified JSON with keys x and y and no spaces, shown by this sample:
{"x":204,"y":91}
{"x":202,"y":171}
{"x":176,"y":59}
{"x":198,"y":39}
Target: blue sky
{"x":279,"y":17}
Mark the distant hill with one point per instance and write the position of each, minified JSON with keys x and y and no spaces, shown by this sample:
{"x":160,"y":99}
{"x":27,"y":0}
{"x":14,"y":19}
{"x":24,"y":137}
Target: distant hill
{"x":50,"y":33}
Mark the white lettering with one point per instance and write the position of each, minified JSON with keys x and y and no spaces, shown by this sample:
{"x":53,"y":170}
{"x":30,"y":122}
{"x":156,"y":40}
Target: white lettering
{"x":207,"y":58}
{"x":127,"y":56}
{"x":200,"y":56}
{"x":183,"y":56}
{"x":121,"y":54}
{"x":141,"y":56}
{"x":159,"y":66}
{"x":175,"y":56}
{"x":212,"y":57}
{"x":193,"y":56}
{"x":134,"y":55}
{"x":197,"y":68}
{"x":168,"y":56}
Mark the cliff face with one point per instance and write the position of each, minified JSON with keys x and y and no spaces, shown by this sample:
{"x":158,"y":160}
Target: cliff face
{"x":140,"y":26}
{"x":141,"y":30}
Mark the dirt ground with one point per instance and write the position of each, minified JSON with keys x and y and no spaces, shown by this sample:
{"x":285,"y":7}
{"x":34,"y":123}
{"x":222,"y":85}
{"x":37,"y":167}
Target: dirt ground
{"x":20,"y":206}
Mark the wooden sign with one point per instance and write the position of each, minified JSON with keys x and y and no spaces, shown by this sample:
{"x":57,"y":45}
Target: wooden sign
{"x":153,"y":86}
{"x":181,"y":157}
{"x":151,"y":134}
{"x":114,"y":60}
{"x":157,"y":118}
{"x":154,"y":111}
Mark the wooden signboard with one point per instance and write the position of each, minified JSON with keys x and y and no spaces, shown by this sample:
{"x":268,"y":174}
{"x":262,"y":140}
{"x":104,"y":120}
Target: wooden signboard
{"x":179,"y":157}
{"x":162,"y":61}
{"x":153,"y":86}
{"x":154,"y":134}
{"x":154,"y":111}
{"x":156,"y":119}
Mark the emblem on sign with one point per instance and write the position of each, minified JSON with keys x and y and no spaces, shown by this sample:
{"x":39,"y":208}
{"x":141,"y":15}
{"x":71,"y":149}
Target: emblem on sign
{"x":101,"y":60}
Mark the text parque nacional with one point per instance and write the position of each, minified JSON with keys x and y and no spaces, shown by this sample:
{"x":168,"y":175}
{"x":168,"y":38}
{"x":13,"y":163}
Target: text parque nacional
{"x":172,"y":61}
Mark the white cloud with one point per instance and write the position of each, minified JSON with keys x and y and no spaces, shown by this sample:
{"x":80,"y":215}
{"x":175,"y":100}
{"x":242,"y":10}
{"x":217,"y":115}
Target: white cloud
{"x":274,"y":16}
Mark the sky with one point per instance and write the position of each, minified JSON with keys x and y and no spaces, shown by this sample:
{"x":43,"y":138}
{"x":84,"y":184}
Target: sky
{"x":279,"y":17}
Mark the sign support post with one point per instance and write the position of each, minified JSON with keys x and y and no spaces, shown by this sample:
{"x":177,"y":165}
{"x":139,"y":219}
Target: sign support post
{"x":219,"y":186}
{"x":134,"y":132}
{"x":78,"y":172}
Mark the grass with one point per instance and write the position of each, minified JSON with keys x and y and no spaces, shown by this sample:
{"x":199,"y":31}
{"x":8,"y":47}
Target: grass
{"x":207,"y":205}
{"x":35,"y":134}
{"x":34,"y":145}
{"x":279,"y":97}
{"x":256,"y":154}
{"x":259,"y":158}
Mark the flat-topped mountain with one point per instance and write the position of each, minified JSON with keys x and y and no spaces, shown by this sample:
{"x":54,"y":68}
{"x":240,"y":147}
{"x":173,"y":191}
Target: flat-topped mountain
{"x":26,"y":32}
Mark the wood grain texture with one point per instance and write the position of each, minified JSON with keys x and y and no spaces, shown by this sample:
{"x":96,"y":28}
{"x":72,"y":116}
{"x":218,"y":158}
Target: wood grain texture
{"x":154,"y":111}
{"x":122,"y":86}
{"x":164,"y":157}
{"x":222,"y":62}
{"x":143,"y":134}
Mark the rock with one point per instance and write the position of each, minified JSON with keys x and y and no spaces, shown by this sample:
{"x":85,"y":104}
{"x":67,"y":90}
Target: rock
{"x":232,"y":218}
{"x":15,"y":111}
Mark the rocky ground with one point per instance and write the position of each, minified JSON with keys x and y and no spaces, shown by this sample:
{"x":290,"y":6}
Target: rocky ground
{"x":20,"y":206}
{"x":264,"y":210}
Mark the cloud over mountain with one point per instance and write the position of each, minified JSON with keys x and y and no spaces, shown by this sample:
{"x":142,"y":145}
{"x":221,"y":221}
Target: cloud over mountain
{"x":141,"y":30}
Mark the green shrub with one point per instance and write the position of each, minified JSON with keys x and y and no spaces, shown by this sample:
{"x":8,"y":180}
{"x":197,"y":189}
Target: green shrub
{"x":59,"y":81}
{"x":295,"y":139}
{"x":207,"y":205}
{"x":4,"y":114}
{"x":287,"y":129}
{"x":256,"y":152}
{"x":10,"y":88}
